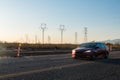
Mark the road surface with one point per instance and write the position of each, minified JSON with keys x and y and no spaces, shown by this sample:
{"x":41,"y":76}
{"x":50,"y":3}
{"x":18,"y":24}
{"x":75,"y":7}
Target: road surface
{"x":60,"y":67}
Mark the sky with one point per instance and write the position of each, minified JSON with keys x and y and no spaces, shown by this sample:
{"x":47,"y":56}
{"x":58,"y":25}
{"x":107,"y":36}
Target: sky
{"x":20,"y":20}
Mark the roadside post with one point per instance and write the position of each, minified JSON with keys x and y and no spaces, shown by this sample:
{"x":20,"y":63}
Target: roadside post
{"x":110,"y":48}
{"x":18,"y":53}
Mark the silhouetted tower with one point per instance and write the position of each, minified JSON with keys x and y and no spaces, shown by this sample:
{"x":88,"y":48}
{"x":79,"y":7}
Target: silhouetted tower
{"x":85,"y":34}
{"x":49,"y":39}
{"x":62,"y":29}
{"x":36,"y":39}
{"x":43,"y":27}
{"x":76,"y":37}
{"x":26,"y":36}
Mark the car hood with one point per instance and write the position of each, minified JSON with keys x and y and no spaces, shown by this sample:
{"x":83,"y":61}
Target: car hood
{"x":82,"y":49}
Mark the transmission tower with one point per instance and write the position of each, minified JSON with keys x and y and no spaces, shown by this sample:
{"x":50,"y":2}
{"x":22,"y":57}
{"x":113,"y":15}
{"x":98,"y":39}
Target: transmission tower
{"x":85,"y":34}
{"x":36,"y":39}
{"x":62,"y":29}
{"x":43,"y":28}
{"x":49,"y":39}
{"x":76,"y":36}
{"x":26,"y":36}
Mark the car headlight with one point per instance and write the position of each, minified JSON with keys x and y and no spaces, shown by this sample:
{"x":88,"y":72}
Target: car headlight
{"x":88,"y":51}
{"x":73,"y":51}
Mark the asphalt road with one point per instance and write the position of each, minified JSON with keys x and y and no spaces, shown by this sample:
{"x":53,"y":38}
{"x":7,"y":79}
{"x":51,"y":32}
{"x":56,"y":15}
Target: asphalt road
{"x":60,"y":67}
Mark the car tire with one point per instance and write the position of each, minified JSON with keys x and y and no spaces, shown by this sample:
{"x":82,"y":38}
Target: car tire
{"x":106,"y":55}
{"x":93,"y":57}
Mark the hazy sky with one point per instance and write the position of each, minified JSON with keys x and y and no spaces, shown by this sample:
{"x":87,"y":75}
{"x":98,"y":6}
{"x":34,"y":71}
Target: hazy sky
{"x":19,"y":18}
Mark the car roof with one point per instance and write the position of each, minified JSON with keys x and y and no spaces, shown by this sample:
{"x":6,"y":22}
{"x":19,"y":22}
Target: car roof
{"x":94,"y":43}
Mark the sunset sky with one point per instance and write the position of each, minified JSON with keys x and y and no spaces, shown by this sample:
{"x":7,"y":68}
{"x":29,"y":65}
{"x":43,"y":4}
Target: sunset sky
{"x":21,"y":18}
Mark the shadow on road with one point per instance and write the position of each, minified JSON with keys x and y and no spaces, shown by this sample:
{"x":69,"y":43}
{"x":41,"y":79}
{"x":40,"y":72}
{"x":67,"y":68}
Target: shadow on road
{"x":115,"y":61}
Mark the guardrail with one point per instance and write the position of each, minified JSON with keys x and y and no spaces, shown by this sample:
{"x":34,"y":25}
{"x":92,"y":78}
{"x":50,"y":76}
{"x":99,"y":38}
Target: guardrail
{"x":12,"y":53}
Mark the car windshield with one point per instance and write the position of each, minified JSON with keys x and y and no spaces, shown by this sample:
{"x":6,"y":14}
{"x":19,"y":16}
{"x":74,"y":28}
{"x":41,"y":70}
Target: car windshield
{"x":88,"y":45}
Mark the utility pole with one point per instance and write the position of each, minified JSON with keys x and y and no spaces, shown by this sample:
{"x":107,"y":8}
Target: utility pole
{"x":43,"y":28}
{"x":62,"y":29}
{"x":85,"y":34}
{"x":76,"y":36}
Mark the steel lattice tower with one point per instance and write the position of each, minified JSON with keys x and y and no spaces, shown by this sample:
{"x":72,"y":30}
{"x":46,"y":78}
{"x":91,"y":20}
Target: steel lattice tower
{"x":85,"y":34}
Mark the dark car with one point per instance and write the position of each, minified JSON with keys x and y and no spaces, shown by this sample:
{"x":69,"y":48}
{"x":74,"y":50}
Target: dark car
{"x":91,"y":50}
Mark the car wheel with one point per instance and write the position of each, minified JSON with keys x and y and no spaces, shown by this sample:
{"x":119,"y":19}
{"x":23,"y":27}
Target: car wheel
{"x":93,"y":57}
{"x":106,"y":55}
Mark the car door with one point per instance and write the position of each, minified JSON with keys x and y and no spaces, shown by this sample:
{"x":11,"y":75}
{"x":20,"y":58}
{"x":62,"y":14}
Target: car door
{"x":99,"y":49}
{"x":103,"y":49}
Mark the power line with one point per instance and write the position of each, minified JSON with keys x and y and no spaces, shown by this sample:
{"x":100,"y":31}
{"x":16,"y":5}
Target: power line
{"x":43,"y":28}
{"x":62,"y":29}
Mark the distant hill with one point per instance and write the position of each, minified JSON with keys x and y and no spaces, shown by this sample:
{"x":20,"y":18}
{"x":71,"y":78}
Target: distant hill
{"x":114,"y":41}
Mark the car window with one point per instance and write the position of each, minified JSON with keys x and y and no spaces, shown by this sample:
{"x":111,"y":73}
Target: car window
{"x":88,"y":45}
{"x":99,"y":45}
{"x":106,"y":47}
{"x":102,"y":45}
